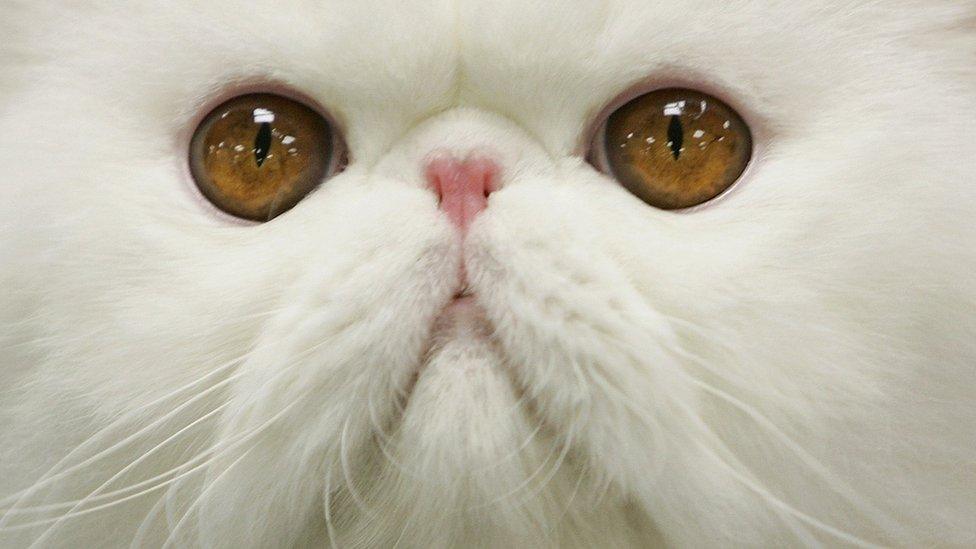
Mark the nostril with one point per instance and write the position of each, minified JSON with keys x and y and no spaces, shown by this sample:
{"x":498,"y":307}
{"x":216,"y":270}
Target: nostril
{"x":463,"y":186}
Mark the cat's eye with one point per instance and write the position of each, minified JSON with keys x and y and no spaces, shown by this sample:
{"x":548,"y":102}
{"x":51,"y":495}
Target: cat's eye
{"x":675,"y":148}
{"x":257,"y":155}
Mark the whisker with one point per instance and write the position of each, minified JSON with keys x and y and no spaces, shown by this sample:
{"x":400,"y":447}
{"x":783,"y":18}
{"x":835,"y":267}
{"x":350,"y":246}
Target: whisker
{"x":516,"y":452}
{"x":385,"y":442}
{"x":761,"y":491}
{"x":138,"y":540}
{"x":109,"y":495}
{"x":229,"y":444}
{"x":149,"y":519}
{"x":327,"y":503}
{"x":203,"y":494}
{"x":130,"y":466}
{"x":567,"y":505}
{"x":73,"y":513}
{"x":556,"y":466}
{"x":347,"y":472}
{"x":531,"y":477}
{"x":53,"y":473}
{"x":876,"y":515}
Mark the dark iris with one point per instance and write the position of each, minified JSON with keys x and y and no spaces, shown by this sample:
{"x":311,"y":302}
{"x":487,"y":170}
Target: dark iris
{"x":262,"y":143}
{"x":676,"y":136}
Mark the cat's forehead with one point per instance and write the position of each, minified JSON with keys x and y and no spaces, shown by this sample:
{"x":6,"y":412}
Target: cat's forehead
{"x":382,"y":66}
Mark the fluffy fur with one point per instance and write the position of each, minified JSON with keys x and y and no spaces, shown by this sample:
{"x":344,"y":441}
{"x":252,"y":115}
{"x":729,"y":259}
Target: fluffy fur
{"x":794,"y":364}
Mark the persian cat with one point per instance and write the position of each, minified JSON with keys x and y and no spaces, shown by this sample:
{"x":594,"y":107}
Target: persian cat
{"x":487,"y":274}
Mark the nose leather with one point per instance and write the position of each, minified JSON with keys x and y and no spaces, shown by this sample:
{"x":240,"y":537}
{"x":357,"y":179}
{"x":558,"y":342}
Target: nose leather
{"x":462,"y":186}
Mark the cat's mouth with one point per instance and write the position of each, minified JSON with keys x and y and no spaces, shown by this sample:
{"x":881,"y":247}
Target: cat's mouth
{"x":462,"y":302}
{"x":460,"y":336}
{"x":462,"y":317}
{"x":462,"y":322}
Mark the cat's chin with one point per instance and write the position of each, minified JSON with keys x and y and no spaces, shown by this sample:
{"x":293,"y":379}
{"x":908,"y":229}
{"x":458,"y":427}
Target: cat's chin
{"x":460,"y":331}
{"x":461,"y":352}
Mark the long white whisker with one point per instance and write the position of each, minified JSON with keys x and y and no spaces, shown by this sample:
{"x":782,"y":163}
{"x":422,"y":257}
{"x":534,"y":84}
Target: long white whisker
{"x":71,"y":505}
{"x":879,"y":517}
{"x":128,"y":468}
{"x":138,"y":540}
{"x":229,"y":445}
{"x":553,"y":471}
{"x":564,"y":450}
{"x":761,"y":491}
{"x":347,"y":472}
{"x":73,"y":513}
{"x":516,"y":452}
{"x":203,"y":494}
{"x":384,"y":440}
{"x":147,"y":522}
{"x":327,"y":503}
{"x":567,"y":505}
{"x":53,"y":473}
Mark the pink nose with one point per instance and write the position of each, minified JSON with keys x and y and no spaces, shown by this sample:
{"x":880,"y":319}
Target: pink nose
{"x":463,"y":186}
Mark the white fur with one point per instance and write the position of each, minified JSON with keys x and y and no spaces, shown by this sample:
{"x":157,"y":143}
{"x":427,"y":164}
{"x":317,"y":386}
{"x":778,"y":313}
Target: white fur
{"x":794,"y":364}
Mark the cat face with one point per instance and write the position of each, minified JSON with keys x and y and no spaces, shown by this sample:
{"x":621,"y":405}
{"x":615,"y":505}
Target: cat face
{"x":543,"y":360}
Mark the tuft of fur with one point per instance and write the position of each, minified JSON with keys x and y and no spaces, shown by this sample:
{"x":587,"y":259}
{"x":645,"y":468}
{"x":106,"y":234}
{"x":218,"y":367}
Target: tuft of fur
{"x":794,"y":364}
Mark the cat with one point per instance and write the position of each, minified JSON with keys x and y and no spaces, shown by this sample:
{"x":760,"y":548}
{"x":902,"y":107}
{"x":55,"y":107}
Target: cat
{"x":471,"y":334}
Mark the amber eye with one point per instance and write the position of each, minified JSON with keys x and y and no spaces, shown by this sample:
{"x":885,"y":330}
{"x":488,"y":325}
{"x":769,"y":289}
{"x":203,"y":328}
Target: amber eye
{"x":675,"y":148}
{"x":257,"y":155}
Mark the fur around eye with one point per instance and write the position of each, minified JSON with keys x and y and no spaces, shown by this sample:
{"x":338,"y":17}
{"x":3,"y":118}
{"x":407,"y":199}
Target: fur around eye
{"x":674,"y":148}
{"x":257,"y":155}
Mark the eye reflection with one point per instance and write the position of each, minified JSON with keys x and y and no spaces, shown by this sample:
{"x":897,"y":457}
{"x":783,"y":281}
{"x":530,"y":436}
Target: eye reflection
{"x":263,"y":116}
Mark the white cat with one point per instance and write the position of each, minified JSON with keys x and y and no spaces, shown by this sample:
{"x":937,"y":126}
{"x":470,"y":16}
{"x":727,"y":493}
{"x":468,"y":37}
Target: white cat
{"x":470,"y":334}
